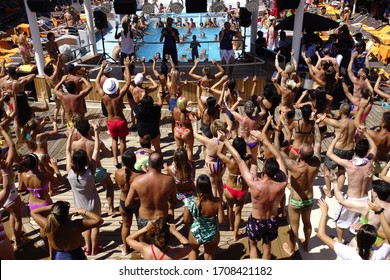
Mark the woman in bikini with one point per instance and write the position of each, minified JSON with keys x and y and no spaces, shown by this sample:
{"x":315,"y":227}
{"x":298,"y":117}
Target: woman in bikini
{"x":229,"y":96}
{"x":143,"y":153}
{"x":36,"y":137}
{"x":208,"y":112}
{"x":158,"y":236}
{"x":214,"y":167}
{"x":182,"y":130}
{"x":250,"y":121}
{"x":207,"y":80}
{"x":82,"y":181}
{"x":124,"y":177}
{"x":319,"y":105}
{"x":304,"y":131}
{"x":23,"y":45}
{"x":365,"y":94}
{"x":25,"y":111}
{"x":207,"y":212}
{"x":6,"y":249}
{"x":37,"y":183}
{"x":183,"y":171}
{"x":13,"y":204}
{"x":235,"y":188}
{"x":64,"y":235}
{"x":51,"y":71}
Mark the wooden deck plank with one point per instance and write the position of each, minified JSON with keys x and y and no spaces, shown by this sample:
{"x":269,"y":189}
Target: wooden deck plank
{"x":110,"y":231}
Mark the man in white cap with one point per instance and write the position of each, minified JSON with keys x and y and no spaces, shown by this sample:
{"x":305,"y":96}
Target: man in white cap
{"x":138,"y":91}
{"x":113,"y":100}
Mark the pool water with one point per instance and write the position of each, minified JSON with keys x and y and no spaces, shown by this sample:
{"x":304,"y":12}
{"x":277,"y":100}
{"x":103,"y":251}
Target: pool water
{"x":150,"y":45}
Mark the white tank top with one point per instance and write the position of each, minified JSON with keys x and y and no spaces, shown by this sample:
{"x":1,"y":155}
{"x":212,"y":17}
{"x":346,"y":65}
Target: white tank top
{"x":127,"y":44}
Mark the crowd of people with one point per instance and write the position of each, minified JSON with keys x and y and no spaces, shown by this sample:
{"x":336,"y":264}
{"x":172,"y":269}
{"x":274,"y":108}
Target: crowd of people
{"x":273,"y":143}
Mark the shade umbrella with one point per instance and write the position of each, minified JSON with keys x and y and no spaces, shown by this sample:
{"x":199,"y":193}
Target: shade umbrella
{"x":311,"y":22}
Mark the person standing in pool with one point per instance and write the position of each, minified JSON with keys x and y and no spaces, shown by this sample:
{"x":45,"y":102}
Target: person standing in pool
{"x":170,"y":35}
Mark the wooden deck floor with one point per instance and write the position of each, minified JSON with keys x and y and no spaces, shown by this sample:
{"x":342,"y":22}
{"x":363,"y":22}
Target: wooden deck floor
{"x":110,"y":230}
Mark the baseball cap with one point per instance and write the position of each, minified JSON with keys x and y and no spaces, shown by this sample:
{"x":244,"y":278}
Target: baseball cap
{"x":358,"y":35}
{"x":138,"y":79}
{"x":111,"y":86}
{"x":108,"y":69}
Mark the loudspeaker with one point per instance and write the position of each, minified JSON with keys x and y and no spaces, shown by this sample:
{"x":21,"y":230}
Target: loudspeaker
{"x":100,"y":19}
{"x":245,"y":17}
{"x":199,"y":6}
{"x":125,"y":7}
{"x":40,"y":6}
{"x":288,"y":4}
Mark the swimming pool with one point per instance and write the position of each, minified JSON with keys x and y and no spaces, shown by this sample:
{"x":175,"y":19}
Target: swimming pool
{"x":150,"y":44}
{"x":209,"y":44}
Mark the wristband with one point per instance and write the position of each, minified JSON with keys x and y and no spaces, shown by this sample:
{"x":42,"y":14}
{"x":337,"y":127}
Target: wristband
{"x":379,"y":212}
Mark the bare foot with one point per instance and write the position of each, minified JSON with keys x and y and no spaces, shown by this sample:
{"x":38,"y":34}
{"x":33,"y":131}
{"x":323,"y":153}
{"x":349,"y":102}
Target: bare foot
{"x":123,"y":249}
{"x":287,"y":249}
{"x":305,"y":245}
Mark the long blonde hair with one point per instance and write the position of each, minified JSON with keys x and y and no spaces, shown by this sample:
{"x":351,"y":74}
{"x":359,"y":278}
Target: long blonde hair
{"x":58,"y":216}
{"x":182,"y":105}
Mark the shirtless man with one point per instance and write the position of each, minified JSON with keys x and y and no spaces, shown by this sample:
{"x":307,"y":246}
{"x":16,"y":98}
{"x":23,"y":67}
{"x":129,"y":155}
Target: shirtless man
{"x":381,"y":138}
{"x":113,"y":100}
{"x":359,"y":179}
{"x":303,"y":172}
{"x":380,"y":195}
{"x":12,"y":84}
{"x":359,"y":81}
{"x":138,"y":91}
{"x":87,"y":143}
{"x":344,"y":147}
{"x":156,"y":192}
{"x":266,"y":193}
{"x":73,"y":101}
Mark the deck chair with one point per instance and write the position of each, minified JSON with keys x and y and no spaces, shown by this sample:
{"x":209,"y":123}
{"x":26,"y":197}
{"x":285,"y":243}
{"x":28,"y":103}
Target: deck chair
{"x":357,"y":19}
{"x":377,"y":24}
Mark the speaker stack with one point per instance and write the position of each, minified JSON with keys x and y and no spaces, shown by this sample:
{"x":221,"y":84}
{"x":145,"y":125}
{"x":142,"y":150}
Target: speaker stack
{"x":125,"y":7}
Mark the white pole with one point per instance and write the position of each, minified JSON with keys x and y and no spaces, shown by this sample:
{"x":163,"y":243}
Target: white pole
{"x":354,"y":7}
{"x":36,"y":38}
{"x":255,"y":15}
{"x":298,"y":23}
{"x":90,"y":27}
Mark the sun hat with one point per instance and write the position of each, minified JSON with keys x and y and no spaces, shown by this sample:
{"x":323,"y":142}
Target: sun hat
{"x":138,"y":79}
{"x":111,"y":86}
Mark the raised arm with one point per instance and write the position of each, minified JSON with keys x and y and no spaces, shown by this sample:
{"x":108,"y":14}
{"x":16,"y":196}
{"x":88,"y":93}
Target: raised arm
{"x":373,"y":147}
{"x":377,"y":89}
{"x":351,"y":75}
{"x":191,"y":73}
{"x":154,"y":85}
{"x":254,"y":86}
{"x":86,"y":90}
{"x":96,"y":148}
{"x":221,"y":70}
{"x":385,"y":225}
{"x":321,"y":233}
{"x":127,"y":76}
{"x":383,"y":174}
{"x":350,"y":97}
{"x":45,"y":106}
{"x":263,"y":138}
{"x":99,"y":76}
{"x":155,"y":72}
{"x":11,"y":148}
{"x":277,"y":66}
{"x":244,"y":170}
